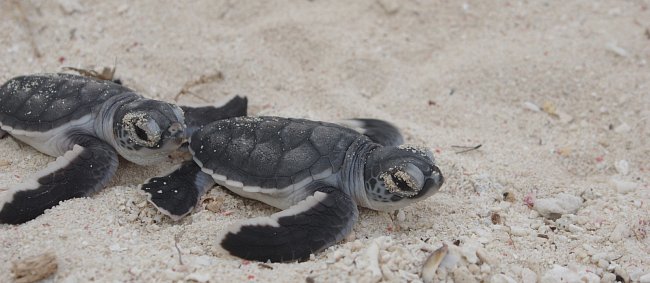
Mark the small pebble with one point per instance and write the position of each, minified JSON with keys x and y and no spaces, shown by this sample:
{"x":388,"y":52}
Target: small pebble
{"x":576,"y":229}
{"x":622,"y":128}
{"x":614,"y":48}
{"x":485,"y":257}
{"x":532,"y":106}
{"x":469,"y":253}
{"x":619,"y":232}
{"x":590,"y":194}
{"x":501,"y":278}
{"x":602,"y":263}
{"x":559,"y":274}
{"x":608,"y":278}
{"x":474,"y":269}
{"x":644,"y":278}
{"x":485,"y":268}
{"x":370,"y":261}
{"x":117,"y":248}
{"x":623,"y":186}
{"x":462,"y":274}
{"x":198,"y":277}
{"x":519,"y":231}
{"x":172,"y":275}
{"x":553,"y":208}
{"x":622,"y":167}
{"x":528,"y":276}
{"x":622,"y":273}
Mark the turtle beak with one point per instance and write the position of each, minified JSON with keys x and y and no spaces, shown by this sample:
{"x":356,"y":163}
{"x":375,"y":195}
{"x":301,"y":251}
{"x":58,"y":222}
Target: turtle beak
{"x":177,"y":133}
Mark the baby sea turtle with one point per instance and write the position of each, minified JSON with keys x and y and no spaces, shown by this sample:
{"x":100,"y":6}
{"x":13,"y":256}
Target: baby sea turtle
{"x":316,"y":172}
{"x":87,"y":123}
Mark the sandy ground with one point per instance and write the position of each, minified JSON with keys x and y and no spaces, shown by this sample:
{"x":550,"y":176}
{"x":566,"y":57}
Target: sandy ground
{"x":556,"y":92}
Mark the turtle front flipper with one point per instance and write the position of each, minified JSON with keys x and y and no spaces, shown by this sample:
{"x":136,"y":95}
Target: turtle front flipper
{"x":84,"y":169}
{"x":3,"y":134}
{"x":379,"y":131}
{"x":307,"y":227}
{"x":177,"y":193}
{"x":195,"y":117}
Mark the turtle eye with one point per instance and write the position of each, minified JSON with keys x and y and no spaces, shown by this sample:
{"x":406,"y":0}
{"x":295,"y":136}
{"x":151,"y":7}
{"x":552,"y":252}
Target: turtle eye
{"x":141,"y":133}
{"x":402,"y":181}
{"x":142,"y":129}
{"x":405,"y":181}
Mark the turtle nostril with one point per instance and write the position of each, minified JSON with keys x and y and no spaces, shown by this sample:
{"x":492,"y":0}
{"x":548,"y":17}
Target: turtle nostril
{"x":176,"y":129}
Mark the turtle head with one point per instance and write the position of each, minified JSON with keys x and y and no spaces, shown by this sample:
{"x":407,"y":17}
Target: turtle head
{"x":147,"y":131}
{"x":398,"y":176}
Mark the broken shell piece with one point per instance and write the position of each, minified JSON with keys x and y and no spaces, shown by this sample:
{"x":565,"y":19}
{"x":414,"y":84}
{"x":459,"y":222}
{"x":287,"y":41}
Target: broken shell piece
{"x":214,"y":204}
{"x":549,"y":108}
{"x":430,"y":266}
{"x":532,"y":106}
{"x":34,"y":268}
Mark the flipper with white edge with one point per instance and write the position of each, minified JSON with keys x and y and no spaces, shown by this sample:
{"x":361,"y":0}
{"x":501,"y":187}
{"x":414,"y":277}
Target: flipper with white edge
{"x":177,"y":193}
{"x":379,"y":131}
{"x":307,"y":227}
{"x":81,"y":171}
{"x":195,"y":117}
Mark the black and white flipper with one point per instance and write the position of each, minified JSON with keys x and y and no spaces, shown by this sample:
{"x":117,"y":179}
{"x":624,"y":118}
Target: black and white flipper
{"x":379,"y":131}
{"x":307,"y":227}
{"x":177,"y":193}
{"x":83,"y":170}
{"x":195,"y":117}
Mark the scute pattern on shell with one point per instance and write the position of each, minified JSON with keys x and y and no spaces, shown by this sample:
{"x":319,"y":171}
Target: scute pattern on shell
{"x":271,"y":153}
{"x":64,"y":98}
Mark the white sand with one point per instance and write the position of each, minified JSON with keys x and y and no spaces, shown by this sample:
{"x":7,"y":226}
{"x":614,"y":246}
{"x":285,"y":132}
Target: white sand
{"x":447,"y":73}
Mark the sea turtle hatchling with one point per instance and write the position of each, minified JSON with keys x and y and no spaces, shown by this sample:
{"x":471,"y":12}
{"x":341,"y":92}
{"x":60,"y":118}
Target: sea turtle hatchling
{"x":87,"y":123}
{"x":316,"y":172}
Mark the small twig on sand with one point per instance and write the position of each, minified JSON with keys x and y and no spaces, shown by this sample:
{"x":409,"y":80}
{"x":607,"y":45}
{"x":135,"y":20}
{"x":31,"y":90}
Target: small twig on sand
{"x":28,"y":26}
{"x":204,"y":79}
{"x":466,"y":148}
{"x":177,"y":238}
{"x":107,"y":73}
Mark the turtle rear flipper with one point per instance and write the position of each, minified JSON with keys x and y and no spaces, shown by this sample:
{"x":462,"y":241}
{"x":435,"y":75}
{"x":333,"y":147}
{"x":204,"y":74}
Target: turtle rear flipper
{"x":307,"y":227}
{"x":84,"y":169}
{"x":195,"y":117}
{"x":177,"y":193}
{"x":379,"y":131}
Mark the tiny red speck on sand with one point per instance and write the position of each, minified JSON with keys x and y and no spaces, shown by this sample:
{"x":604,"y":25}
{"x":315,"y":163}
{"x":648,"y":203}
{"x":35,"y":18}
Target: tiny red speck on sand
{"x":529,"y":200}
{"x":251,"y":277}
{"x":599,"y":159}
